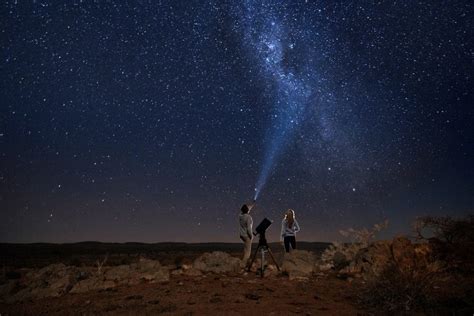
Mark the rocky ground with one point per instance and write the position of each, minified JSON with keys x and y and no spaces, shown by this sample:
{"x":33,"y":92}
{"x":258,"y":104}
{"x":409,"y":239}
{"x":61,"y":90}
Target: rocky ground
{"x":229,"y":294}
{"x":395,"y":275}
{"x":214,"y":282}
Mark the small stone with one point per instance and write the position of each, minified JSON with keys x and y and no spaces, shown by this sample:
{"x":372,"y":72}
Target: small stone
{"x":134,"y":297}
{"x":253,"y":296}
{"x":215,"y":300}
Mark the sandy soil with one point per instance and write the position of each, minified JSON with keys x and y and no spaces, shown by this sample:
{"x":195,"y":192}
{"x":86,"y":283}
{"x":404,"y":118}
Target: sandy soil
{"x":238,"y":294}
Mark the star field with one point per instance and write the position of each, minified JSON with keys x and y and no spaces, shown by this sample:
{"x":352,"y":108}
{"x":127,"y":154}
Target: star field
{"x":155,"y":120}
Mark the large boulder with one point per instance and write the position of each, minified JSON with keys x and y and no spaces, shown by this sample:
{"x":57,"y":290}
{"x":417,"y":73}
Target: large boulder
{"x":51,"y":281}
{"x":152,"y":271}
{"x":118,"y":273}
{"x":143,"y":271}
{"x":299,"y":264}
{"x":91,"y":284}
{"x":217,"y":262}
{"x":58,"y":279}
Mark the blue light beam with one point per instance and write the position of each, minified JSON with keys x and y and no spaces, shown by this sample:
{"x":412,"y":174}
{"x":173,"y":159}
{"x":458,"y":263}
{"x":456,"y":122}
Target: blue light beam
{"x":270,"y":44}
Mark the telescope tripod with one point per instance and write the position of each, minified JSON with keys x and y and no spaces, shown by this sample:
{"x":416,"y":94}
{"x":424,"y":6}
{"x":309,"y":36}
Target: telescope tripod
{"x":263,"y":247}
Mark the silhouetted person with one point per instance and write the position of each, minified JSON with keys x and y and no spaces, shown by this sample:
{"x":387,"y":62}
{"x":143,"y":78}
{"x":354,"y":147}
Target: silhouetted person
{"x":289,"y":228}
{"x":246,"y":222}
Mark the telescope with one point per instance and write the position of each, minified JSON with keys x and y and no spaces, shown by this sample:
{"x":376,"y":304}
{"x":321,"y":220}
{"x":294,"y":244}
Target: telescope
{"x":262,"y":246}
{"x":262,"y":227}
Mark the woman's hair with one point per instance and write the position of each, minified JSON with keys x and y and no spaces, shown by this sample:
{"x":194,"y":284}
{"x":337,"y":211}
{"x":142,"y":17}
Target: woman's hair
{"x":244,"y":209}
{"x":290,"y":217}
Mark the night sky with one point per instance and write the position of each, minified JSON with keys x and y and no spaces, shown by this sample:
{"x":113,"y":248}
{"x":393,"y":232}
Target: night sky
{"x":155,"y":120}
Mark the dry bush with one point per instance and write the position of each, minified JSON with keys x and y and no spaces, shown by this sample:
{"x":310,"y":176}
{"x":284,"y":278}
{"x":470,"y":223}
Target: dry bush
{"x":452,"y":240}
{"x":446,"y":229}
{"x":395,"y":289}
{"x":442,"y":280}
{"x":360,"y":239}
{"x":100,"y":264}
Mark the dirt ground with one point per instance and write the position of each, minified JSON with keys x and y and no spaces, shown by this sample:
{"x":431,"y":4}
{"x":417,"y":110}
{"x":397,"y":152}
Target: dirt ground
{"x":238,"y":294}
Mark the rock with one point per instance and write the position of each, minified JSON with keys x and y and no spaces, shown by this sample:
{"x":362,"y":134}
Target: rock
{"x":186,"y":266}
{"x":7,"y":289}
{"x":82,"y":275}
{"x":92,"y":284}
{"x":271,"y":267}
{"x":217,"y":262}
{"x":325,"y":267}
{"x":134,"y":297}
{"x":21,"y":295}
{"x":148,"y":265}
{"x":352,"y":268}
{"x":192,"y":272}
{"x":298,"y":263}
{"x":271,"y":270}
{"x":61,"y":285}
{"x":256,"y":265}
{"x":144,"y":270}
{"x":215,"y":300}
{"x":161,"y":275}
{"x":51,"y":281}
{"x":253,"y":296}
{"x":152,"y":271}
{"x":58,"y":279}
{"x":118,"y":273}
{"x":240,"y":299}
{"x":299,"y":278}
{"x":187,"y":270}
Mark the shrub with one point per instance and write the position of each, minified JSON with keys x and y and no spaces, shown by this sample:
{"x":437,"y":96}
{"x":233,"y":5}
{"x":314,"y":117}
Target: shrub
{"x":441,"y":279}
{"x":344,"y":253}
{"x":395,"y":289}
{"x":446,"y":229}
{"x":452,"y":240}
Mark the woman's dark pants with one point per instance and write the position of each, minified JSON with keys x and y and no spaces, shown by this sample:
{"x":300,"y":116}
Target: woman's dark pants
{"x":289,"y":240}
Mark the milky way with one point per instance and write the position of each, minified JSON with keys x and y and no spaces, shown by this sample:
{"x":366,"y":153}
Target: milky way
{"x":155,"y":120}
{"x":269,"y":40}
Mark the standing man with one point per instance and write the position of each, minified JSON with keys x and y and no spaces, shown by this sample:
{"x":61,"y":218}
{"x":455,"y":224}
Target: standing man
{"x":246,"y":223}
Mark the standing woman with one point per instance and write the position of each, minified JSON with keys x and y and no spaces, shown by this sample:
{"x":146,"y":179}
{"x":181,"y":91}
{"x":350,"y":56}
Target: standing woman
{"x":289,"y":228}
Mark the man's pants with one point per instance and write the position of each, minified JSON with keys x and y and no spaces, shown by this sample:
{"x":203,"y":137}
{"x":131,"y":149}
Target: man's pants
{"x":247,"y":248}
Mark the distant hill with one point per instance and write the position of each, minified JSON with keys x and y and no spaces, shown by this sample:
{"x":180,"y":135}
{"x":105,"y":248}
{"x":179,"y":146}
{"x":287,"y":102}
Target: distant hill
{"x":87,"y":252}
